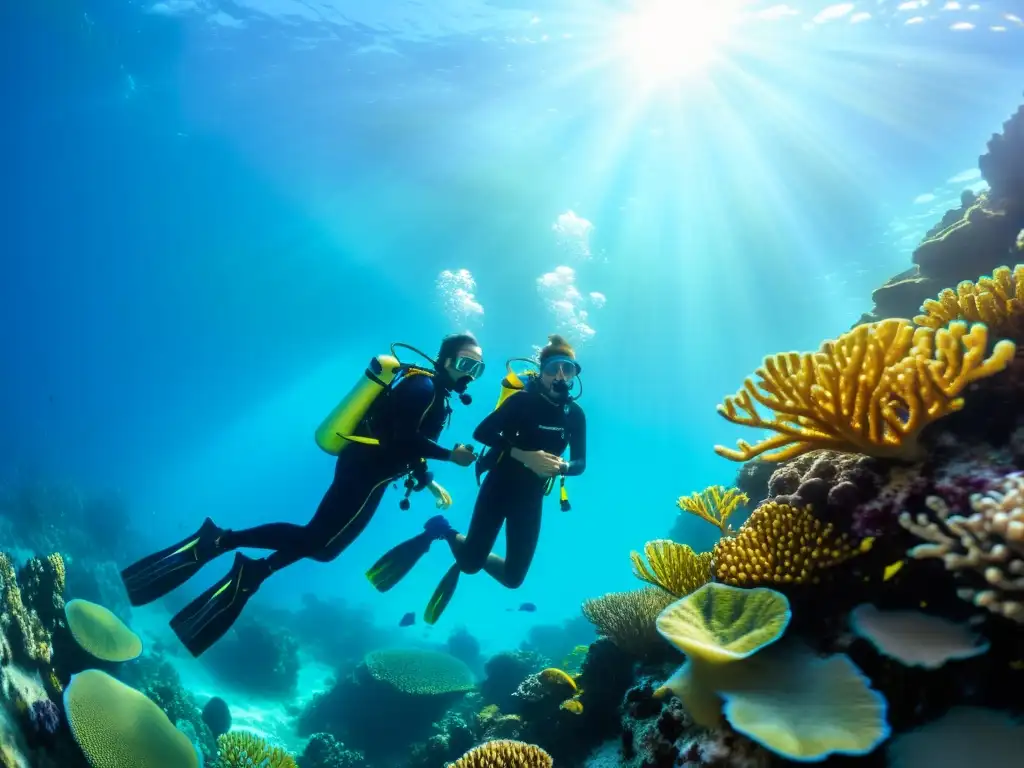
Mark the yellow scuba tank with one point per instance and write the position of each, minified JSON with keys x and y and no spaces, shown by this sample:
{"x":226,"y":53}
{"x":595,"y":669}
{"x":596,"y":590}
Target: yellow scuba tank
{"x":337,"y":430}
{"x":514,"y":381}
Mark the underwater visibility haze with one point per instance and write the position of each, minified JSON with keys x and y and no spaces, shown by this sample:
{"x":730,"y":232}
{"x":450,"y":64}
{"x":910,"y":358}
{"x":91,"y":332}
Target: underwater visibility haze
{"x":773,"y":251}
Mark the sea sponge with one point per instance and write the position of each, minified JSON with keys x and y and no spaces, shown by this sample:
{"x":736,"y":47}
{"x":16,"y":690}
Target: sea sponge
{"x":504,"y":754}
{"x":714,"y":504}
{"x":987,"y":543}
{"x":871,"y":391}
{"x":780,"y":544}
{"x":118,"y":727}
{"x":720,"y":623}
{"x":239,"y":749}
{"x":997,"y":301}
{"x":100,"y":632}
{"x":628,"y":618}
{"x":916,"y":639}
{"x":676,"y":568}
{"x":420,"y":672}
{"x":802,"y":707}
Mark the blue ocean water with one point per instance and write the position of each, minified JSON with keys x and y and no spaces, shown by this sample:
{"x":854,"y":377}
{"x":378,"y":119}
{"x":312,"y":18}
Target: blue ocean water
{"x":215,"y":213}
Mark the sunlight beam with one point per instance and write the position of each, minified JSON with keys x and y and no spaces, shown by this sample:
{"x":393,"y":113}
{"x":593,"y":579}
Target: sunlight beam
{"x":666,"y":41}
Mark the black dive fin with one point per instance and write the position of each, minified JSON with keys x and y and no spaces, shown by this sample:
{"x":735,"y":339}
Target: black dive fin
{"x":442,"y":595}
{"x":206,"y":619}
{"x":153,"y":577}
{"x":395,"y":564}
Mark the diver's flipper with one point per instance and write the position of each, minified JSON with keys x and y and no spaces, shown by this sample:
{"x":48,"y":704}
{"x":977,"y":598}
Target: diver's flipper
{"x":442,"y":595}
{"x":204,"y":621}
{"x":153,"y":577}
{"x":395,"y":564}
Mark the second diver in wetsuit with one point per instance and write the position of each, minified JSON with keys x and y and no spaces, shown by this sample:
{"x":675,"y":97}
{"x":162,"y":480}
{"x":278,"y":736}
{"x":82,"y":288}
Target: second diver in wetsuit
{"x":526,"y":437}
{"x":408,"y":421}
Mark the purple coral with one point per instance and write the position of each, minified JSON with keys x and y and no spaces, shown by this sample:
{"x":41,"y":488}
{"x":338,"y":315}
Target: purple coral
{"x":45,"y":716}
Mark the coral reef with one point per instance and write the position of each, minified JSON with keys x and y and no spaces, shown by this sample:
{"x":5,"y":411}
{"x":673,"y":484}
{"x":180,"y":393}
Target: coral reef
{"x":325,"y":751}
{"x":627,"y":619}
{"x":673,"y":567}
{"x":217,"y":716}
{"x":505,"y":753}
{"x":239,"y":749}
{"x":256,"y":657}
{"x":503,"y":673}
{"x":157,"y":680}
{"x":414,"y":686}
{"x":781,"y":544}
{"x":871,"y":391}
{"x":987,"y":543}
{"x":714,"y":504}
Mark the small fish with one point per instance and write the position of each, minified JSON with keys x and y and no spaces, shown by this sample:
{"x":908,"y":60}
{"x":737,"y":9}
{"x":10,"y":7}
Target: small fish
{"x":866,"y":544}
{"x":408,"y":620}
{"x":891,"y":570}
{"x":575,"y":706}
{"x":1017,"y":666}
{"x":525,"y":608}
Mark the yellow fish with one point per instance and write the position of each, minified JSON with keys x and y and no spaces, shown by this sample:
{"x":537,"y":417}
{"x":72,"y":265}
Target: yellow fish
{"x":892,"y":570}
{"x":1017,"y":665}
{"x":573,"y":705}
{"x":866,"y":544}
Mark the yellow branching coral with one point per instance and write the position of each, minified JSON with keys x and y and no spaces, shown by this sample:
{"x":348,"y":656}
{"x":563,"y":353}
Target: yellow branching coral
{"x":997,"y":301}
{"x":871,"y":391}
{"x":505,"y":754}
{"x":676,"y":568}
{"x":780,"y":544}
{"x":238,"y":749}
{"x":714,"y":504}
{"x":627,"y":618}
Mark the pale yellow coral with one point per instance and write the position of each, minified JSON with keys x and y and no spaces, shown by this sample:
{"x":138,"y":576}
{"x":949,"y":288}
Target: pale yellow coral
{"x":997,"y":301}
{"x":988,"y":541}
{"x":870,"y":391}
{"x":714,"y":504}
{"x":780,"y":544}
{"x":674,"y":567}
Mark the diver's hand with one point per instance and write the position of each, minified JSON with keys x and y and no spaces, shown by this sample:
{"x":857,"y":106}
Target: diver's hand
{"x":444,"y":499}
{"x":541,"y":463}
{"x":463,"y":455}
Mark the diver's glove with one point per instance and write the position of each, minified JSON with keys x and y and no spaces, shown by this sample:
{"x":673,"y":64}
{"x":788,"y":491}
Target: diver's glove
{"x":442,"y":497}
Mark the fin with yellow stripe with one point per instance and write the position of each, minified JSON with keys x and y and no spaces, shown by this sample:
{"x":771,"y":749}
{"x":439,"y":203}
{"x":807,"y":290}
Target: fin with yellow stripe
{"x":206,"y":619}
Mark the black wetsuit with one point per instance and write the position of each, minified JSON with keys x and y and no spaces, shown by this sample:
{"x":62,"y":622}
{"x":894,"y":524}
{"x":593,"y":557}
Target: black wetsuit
{"x":511,"y":493}
{"x":407,"y":424}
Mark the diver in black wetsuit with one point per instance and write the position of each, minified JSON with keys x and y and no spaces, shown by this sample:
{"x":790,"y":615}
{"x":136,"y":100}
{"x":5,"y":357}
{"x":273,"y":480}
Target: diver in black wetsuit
{"x":526,"y":436}
{"x":408,"y":421}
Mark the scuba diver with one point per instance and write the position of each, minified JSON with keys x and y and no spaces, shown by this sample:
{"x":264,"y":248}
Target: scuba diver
{"x":526,"y":435}
{"x":386,"y":427}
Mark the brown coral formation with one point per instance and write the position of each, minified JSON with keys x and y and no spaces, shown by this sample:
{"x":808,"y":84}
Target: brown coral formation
{"x":781,"y":544}
{"x":627,"y":618}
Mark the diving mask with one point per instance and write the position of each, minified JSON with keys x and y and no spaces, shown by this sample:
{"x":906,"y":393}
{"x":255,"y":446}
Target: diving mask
{"x":568,"y":367}
{"x":469,"y":366}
